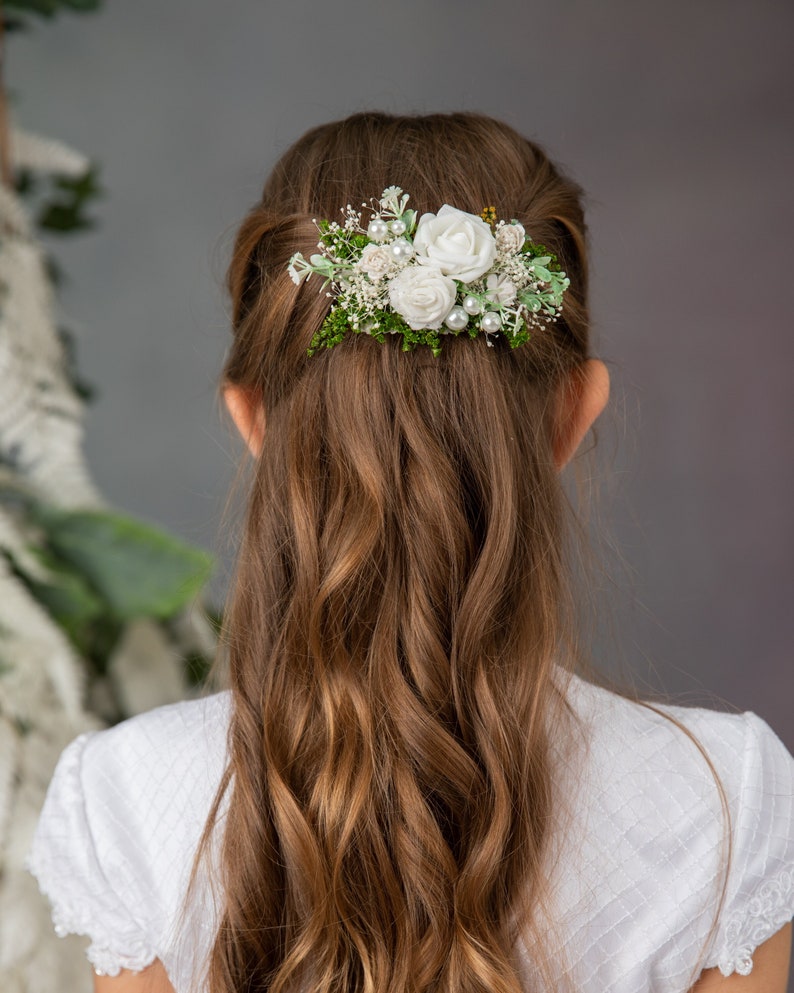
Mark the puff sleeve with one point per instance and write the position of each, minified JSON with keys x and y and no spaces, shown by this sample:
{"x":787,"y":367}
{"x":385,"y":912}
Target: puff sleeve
{"x":90,"y":892}
{"x":759,"y":899}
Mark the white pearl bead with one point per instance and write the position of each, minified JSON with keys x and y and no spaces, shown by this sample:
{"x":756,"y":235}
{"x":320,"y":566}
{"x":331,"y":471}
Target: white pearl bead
{"x":457,"y":319}
{"x":491,"y":321}
{"x":398,"y":227}
{"x":401,"y":250}
{"x":472,"y":305}
{"x":377,"y":229}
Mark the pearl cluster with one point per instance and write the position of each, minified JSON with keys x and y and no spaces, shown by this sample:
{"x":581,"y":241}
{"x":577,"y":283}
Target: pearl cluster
{"x":458,"y":318}
{"x":379,"y":230}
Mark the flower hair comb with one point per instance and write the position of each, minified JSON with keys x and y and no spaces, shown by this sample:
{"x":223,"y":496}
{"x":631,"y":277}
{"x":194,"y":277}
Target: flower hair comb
{"x":428,"y":276}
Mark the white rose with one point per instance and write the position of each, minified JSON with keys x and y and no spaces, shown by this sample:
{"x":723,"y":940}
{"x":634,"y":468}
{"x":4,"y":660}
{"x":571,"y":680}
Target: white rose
{"x":510,"y":237}
{"x":375,"y":261}
{"x":500,"y":288}
{"x":422,"y":296}
{"x":456,"y":243}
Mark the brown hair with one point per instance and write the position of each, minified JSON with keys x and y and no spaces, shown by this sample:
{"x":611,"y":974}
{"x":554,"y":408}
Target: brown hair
{"x":399,"y":611}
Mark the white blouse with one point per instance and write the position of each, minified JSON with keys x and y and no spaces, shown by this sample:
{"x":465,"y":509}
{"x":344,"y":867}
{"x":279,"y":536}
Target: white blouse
{"x":637,"y":873}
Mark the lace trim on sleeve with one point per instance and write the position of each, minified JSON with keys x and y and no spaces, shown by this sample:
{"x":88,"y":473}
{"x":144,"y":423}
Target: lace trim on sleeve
{"x":765,"y":914}
{"x":105,"y":961}
{"x":100,"y":953}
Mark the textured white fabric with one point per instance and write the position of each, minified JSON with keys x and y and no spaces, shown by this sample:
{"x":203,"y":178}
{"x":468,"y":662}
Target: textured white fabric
{"x":637,"y":875}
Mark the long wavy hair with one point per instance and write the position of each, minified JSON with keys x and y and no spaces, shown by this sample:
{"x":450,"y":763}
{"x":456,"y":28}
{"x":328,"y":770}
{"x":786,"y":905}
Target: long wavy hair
{"x":399,"y":617}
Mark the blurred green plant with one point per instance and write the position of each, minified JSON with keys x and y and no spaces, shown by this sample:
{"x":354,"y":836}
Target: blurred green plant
{"x":101,"y":615}
{"x":93,"y":570}
{"x":15,"y":9}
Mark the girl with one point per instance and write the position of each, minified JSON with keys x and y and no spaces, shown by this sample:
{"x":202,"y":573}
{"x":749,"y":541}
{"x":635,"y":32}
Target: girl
{"x":405,"y":786}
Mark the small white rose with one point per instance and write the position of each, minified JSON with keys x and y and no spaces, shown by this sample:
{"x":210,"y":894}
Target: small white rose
{"x":456,"y":243}
{"x":423,"y":296}
{"x":510,"y":237}
{"x":500,"y":289}
{"x":375,"y":261}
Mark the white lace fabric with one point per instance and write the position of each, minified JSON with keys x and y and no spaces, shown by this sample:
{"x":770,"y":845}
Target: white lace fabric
{"x":764,"y":915}
{"x":637,"y":885}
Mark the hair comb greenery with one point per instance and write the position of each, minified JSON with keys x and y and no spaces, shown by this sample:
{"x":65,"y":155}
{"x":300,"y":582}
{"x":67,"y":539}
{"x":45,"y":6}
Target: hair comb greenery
{"x":428,"y":276}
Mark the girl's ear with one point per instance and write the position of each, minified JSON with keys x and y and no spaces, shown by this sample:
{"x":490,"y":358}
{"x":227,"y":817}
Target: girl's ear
{"x":580,"y":399}
{"x":245,"y":409}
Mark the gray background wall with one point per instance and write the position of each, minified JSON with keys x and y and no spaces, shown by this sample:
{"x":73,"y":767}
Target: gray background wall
{"x":675,"y":117}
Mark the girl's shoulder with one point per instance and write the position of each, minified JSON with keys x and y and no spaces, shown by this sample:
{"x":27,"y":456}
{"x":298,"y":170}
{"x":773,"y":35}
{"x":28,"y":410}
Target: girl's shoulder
{"x":123,"y":815}
{"x":152,"y":749}
{"x":624,"y":729}
{"x":681,"y":822}
{"x":664,"y":755}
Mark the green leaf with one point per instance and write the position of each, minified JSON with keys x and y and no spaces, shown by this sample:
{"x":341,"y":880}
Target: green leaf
{"x":66,"y":211}
{"x":139,"y":570}
{"x":62,"y":218}
{"x":65,"y":594}
{"x":44,"y":8}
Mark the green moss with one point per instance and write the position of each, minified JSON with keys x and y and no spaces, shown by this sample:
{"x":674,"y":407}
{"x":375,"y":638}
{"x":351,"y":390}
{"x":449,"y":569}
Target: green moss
{"x":541,"y":252}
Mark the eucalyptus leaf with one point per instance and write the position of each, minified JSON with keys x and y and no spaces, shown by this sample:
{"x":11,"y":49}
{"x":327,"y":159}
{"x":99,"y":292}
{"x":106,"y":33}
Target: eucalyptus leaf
{"x":410,"y":219}
{"x":136,"y":568}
